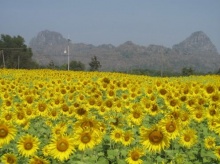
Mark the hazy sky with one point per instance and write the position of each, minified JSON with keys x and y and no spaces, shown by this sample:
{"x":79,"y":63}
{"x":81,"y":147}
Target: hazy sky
{"x":144,"y":22}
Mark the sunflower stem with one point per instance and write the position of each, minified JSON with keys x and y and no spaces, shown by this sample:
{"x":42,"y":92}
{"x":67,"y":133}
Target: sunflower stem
{"x":83,"y":153}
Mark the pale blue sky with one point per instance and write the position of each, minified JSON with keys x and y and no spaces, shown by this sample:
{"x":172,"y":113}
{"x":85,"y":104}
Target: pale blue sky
{"x":144,"y":22}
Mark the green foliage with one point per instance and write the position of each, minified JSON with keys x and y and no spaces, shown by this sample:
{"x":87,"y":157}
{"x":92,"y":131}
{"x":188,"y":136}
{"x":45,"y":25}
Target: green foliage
{"x":16,"y":54}
{"x":218,"y":72}
{"x":187,"y":71}
{"x":94,"y":64}
{"x":77,"y":66}
{"x":51,"y":65}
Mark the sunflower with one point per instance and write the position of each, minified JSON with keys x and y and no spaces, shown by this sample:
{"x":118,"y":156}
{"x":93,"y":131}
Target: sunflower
{"x":115,"y":121}
{"x":175,"y":114}
{"x":59,"y":129}
{"x":217,"y":152}
{"x":173,"y":103}
{"x":215,"y":97}
{"x":87,"y":140}
{"x":42,"y":108}
{"x":154,"y":139}
{"x":146,"y":104}
{"x":212,"y":112}
{"x":188,"y":138}
{"x":38,"y":160}
{"x":57,"y":101}
{"x":46,"y":150}
{"x":20,"y":116}
{"x":109,"y":103}
{"x":127,"y":138}
{"x":29,"y":99}
{"x":53,"y":113}
{"x":210,"y":89}
{"x":102,"y":110}
{"x":9,"y":158}
{"x":7,"y":132}
{"x":29,"y":112}
{"x":134,"y":156}
{"x":110,"y":93}
{"x":214,"y":124}
{"x":61,"y":147}
{"x":163,"y":91}
{"x":185,"y":118}
{"x":154,"y":109}
{"x":209,"y":142}
{"x":87,"y":124}
{"x":81,"y":112}
{"x":8,"y":115}
{"x":118,"y":105}
{"x":116,"y":135}
{"x":28,"y":145}
{"x":171,"y":126}
{"x":198,"y":115}
{"x":136,"y":114}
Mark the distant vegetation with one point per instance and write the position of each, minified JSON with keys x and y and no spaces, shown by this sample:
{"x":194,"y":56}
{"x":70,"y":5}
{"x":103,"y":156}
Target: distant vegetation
{"x":16,"y":55}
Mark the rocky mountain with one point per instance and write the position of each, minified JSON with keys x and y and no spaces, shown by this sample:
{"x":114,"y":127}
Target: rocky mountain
{"x":197,"y":43}
{"x":196,"y":51}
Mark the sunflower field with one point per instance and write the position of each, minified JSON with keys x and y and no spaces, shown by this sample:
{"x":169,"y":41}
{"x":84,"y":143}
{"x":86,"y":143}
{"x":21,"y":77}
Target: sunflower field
{"x":49,"y":116}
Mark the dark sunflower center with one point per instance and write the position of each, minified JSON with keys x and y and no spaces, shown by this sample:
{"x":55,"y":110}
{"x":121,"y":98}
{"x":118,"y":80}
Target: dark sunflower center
{"x":8,"y":103}
{"x":102,"y":109}
{"x":58,"y":131}
{"x":136,"y":114}
{"x":126,"y":137}
{"x":173,"y":102}
{"x":3,"y":131}
{"x":37,"y":161}
{"x":10,"y":160}
{"x":8,"y":117}
{"x":81,"y":111}
{"x":210,"y":89}
{"x":156,"y":136}
{"x":212,"y":112}
{"x":184,"y":118}
{"x":28,"y":145}
{"x":187,"y":138}
{"x":65,"y":108}
{"x":62,"y":145}
{"x":41,"y":107}
{"x":170,"y":127}
{"x":210,"y":143}
{"x":85,"y":138}
{"x":117,"y":135}
{"x":163,"y":91}
{"x":154,"y":108}
{"x":54,"y":113}
{"x":109,"y":104}
{"x":29,"y":112}
{"x":199,"y":115}
{"x":135,"y":156}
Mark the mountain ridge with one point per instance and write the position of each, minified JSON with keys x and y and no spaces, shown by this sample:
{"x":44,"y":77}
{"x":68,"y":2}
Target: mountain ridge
{"x":196,"y":51}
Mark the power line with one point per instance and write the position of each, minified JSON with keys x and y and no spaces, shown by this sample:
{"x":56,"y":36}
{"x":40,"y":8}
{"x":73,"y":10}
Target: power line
{"x":3,"y":56}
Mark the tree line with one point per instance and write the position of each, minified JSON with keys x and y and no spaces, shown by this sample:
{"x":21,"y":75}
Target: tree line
{"x":15,"y":54}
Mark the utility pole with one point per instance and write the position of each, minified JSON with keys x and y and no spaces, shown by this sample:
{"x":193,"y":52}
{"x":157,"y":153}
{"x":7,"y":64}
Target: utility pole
{"x":68,"y":54}
{"x":3,"y":58}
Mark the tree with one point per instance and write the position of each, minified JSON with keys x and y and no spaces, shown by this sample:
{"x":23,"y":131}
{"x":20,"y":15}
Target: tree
{"x":94,"y":64}
{"x":16,"y":53}
{"x":77,"y":66}
{"x":187,"y":71}
{"x":51,"y":65}
{"x":218,"y":72}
